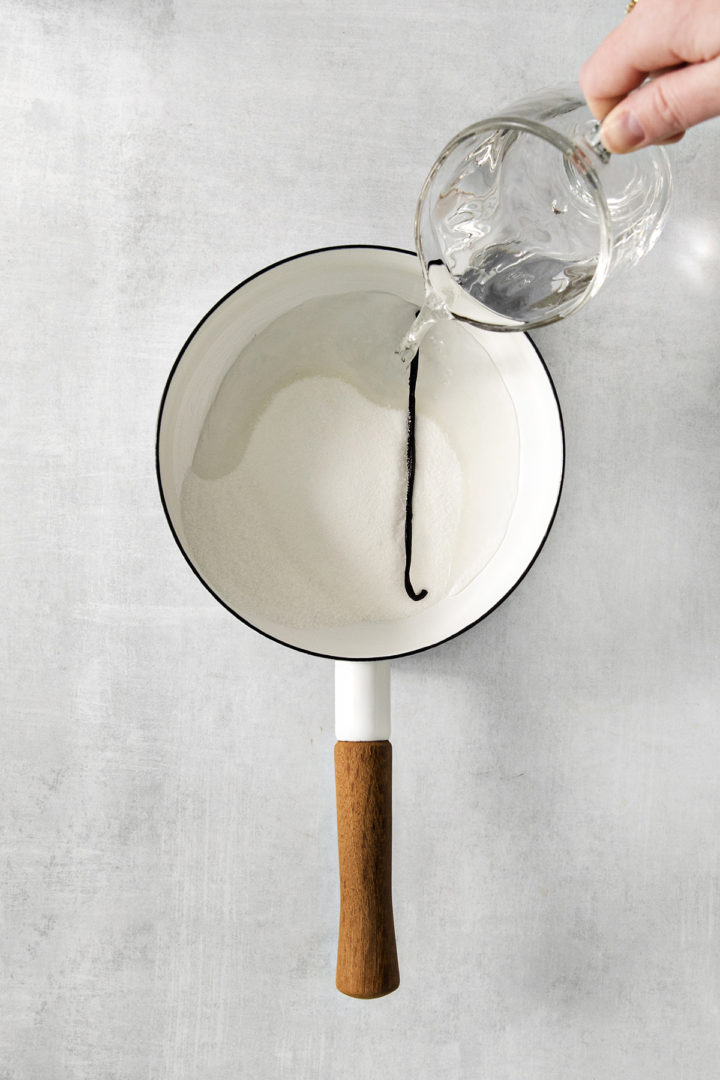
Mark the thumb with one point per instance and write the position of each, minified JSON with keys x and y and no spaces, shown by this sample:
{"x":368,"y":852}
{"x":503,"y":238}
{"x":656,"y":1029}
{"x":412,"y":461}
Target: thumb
{"x":664,"y":107}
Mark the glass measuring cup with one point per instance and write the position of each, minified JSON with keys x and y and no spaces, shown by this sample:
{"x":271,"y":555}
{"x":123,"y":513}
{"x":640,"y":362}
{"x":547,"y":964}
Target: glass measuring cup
{"x":524,"y":215}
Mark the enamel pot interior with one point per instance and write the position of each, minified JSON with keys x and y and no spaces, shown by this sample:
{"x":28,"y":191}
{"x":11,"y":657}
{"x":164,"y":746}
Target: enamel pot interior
{"x":214,"y":347}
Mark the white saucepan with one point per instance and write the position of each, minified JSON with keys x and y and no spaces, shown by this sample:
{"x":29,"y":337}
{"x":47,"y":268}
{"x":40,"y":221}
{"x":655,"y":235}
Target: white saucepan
{"x":367,"y":960}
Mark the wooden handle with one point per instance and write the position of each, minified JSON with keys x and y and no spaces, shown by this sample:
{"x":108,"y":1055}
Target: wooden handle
{"x":367,"y":965}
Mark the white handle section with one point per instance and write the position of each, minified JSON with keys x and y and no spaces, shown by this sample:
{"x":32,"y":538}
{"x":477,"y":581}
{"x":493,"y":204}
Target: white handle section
{"x":362,"y":700}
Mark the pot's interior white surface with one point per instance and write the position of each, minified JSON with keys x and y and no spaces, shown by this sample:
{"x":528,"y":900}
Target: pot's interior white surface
{"x":215,"y":346}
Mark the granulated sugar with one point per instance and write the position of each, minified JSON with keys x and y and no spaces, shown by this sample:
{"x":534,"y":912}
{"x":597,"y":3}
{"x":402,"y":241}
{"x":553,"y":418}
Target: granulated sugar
{"x":294,"y":510}
{"x":309,"y":527}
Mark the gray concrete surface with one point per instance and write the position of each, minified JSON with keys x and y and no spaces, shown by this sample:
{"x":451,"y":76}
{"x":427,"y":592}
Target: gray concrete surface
{"x":169,"y":886}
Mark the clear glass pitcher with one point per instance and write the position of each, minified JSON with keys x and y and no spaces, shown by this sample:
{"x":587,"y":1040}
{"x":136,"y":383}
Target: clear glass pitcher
{"x":525,"y":214}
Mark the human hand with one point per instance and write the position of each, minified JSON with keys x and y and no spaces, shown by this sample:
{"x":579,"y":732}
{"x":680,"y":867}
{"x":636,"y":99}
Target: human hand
{"x":677,"y":44}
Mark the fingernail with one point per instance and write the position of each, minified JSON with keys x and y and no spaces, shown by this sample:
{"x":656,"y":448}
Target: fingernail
{"x":621,"y":131}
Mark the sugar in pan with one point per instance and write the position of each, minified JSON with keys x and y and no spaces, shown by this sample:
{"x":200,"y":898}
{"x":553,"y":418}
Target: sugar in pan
{"x":294,"y":507}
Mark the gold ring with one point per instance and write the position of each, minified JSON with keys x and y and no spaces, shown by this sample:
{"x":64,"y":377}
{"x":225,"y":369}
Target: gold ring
{"x":630,"y":6}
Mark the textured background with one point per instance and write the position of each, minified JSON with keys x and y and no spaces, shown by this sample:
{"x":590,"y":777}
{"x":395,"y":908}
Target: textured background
{"x":169,"y":892}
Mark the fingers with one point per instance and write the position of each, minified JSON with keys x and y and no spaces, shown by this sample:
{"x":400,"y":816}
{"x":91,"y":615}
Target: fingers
{"x":642,"y":43}
{"x":664,"y":108}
